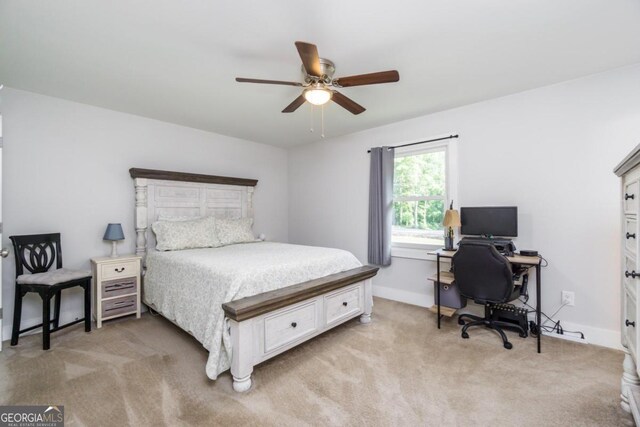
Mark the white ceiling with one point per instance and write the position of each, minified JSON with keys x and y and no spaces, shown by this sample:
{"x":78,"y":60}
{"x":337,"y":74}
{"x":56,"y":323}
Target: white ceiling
{"x":176,"y":60}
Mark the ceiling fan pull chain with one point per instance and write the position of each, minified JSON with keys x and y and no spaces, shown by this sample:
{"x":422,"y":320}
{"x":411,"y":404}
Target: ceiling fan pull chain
{"x":322,"y":118}
{"x":310,"y":117}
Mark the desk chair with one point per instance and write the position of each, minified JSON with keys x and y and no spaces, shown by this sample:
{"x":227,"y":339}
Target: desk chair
{"x":36,"y":253}
{"x":486,"y":277}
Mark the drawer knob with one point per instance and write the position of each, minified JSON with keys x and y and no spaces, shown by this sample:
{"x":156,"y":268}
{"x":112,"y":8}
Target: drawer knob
{"x":633,"y":274}
{"x":627,"y":323}
{"x":629,"y":196}
{"x":345,"y":303}
{"x":119,"y":270}
{"x":294,"y":324}
{"x":631,"y":236}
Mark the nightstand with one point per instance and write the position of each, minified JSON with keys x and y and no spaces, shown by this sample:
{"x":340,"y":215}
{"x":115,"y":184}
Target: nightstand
{"x":117,"y":287}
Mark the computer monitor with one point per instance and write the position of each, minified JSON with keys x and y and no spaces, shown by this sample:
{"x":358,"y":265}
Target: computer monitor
{"x":499,"y":221}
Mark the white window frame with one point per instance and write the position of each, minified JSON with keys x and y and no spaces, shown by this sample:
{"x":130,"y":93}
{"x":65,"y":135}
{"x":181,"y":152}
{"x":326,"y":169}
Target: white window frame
{"x":417,"y":250}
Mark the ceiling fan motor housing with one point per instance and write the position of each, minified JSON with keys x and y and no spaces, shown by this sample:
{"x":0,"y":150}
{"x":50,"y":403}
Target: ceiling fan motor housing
{"x":327,"y":67}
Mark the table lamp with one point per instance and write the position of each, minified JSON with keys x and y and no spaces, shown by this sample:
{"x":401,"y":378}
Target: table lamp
{"x":114,"y":233}
{"x":451,"y":219}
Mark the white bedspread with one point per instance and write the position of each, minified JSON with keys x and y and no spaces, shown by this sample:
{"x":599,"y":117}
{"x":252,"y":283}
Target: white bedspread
{"x":190,"y":286}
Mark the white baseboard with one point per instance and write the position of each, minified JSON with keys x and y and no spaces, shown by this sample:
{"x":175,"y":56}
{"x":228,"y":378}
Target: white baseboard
{"x":65,"y":317}
{"x":408,"y":297}
{"x":598,"y":336}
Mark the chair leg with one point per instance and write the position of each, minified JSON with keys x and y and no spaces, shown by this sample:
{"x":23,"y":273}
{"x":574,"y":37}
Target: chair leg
{"x":56,"y":309}
{"x":505,"y":341}
{"x":521,"y":332}
{"x":471,"y":317}
{"x":46,"y":320}
{"x":87,"y":306}
{"x":17,"y":316}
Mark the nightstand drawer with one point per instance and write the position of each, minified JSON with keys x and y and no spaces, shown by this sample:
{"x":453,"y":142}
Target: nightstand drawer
{"x":116,"y":270}
{"x":116,"y":287}
{"x":118,"y":306}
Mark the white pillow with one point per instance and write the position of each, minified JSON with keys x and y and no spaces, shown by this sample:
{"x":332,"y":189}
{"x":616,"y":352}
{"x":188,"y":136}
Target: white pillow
{"x":178,"y":218}
{"x":190,"y":234}
{"x":230,"y":231}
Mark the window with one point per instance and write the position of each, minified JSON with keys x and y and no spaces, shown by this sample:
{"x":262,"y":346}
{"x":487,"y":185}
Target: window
{"x":420,"y":194}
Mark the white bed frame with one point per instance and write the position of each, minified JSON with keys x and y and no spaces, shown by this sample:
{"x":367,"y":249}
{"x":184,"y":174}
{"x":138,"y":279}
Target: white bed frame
{"x":267,"y":324}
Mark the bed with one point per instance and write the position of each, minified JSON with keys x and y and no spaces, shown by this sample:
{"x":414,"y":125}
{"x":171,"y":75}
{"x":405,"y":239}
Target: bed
{"x":246,"y":302}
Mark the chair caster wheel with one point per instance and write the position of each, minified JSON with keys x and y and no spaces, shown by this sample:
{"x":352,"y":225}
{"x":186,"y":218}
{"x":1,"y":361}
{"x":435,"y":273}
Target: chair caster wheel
{"x":508,"y":345}
{"x":523,"y":334}
{"x":460,"y":322}
{"x":465,"y":335}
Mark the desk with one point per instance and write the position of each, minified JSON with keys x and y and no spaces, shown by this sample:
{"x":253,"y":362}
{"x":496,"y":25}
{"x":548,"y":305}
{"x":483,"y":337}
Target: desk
{"x":530,"y":261}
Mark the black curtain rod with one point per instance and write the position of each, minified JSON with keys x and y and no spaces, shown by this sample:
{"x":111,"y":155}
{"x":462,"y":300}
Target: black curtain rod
{"x":422,"y":142}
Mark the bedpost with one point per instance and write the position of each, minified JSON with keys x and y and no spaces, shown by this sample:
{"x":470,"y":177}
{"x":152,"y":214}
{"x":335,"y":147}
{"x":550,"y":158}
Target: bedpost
{"x":250,"y":201}
{"x":141,"y":216}
{"x":242,"y":354}
{"x":368,"y":302}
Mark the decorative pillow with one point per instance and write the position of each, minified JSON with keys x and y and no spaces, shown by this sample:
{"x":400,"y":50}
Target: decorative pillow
{"x":190,"y":234}
{"x":230,"y":231}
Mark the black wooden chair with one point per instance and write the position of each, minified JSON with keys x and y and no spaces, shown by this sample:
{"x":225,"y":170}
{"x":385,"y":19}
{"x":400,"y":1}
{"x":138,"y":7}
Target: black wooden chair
{"x":36,"y":253}
{"x":485,"y":276}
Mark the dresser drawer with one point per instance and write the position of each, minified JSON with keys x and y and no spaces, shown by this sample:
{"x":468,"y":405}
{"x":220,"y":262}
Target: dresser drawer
{"x":343,"y":304}
{"x":630,"y":197}
{"x":119,"y":306}
{"x":116,"y":287}
{"x":287,"y":326}
{"x":630,"y":235}
{"x":629,"y":326}
{"x":119,"y":270}
{"x":630,"y":267}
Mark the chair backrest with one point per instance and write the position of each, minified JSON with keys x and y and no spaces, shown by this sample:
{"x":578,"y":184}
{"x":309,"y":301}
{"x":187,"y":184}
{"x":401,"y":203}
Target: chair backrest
{"x":481,"y":273}
{"x":37,"y":252}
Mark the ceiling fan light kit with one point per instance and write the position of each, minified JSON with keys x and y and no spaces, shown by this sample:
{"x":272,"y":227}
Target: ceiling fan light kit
{"x":320,"y":85}
{"x":317,"y":94}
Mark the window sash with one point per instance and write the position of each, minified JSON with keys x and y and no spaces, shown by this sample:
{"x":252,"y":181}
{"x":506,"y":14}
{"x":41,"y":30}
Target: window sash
{"x":417,"y":198}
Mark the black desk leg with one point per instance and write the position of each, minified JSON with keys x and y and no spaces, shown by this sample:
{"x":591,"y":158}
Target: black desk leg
{"x":438,"y":287}
{"x":538,"y":305}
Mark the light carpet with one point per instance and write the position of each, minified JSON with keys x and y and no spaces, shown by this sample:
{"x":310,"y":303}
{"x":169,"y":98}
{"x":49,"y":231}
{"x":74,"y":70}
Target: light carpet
{"x":398,"y":370}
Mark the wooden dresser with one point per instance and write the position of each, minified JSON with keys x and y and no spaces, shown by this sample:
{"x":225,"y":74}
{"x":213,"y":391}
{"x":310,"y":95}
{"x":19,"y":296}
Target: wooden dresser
{"x":629,"y":171}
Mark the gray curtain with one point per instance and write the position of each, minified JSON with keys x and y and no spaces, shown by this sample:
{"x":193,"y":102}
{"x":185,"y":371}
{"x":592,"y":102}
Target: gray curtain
{"x":380,"y":205}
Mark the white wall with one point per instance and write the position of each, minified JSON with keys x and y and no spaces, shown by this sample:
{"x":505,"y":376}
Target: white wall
{"x":550,"y":151}
{"x":66,"y":169}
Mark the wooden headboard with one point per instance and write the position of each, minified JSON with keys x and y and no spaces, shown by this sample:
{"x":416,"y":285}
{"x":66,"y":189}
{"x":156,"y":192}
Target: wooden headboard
{"x":186,"y":195}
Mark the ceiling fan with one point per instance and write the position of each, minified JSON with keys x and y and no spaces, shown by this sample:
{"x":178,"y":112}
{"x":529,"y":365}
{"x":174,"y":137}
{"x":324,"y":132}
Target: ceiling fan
{"x":320,"y":85}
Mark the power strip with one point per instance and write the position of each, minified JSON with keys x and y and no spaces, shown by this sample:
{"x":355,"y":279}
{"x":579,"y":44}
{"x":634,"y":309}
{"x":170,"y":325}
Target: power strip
{"x":566,"y":337}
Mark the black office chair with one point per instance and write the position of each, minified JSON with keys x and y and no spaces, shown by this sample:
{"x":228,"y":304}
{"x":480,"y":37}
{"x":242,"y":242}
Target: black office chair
{"x":36,"y":253}
{"x":485,"y":276}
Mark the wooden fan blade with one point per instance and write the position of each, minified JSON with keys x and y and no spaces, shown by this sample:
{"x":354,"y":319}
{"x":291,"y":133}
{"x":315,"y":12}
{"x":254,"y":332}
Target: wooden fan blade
{"x":294,"y":105}
{"x":368,"y":79}
{"x":269,"y":82}
{"x":310,"y":59}
{"x":347,"y":103}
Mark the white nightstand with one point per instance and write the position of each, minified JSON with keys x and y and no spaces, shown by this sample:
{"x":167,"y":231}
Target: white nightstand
{"x":117,"y":287}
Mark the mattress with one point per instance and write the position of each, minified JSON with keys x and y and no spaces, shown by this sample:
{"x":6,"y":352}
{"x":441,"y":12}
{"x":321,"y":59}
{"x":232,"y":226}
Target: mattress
{"x":189,"y":287}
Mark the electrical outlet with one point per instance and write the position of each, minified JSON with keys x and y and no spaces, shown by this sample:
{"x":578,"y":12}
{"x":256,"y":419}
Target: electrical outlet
{"x":568,"y":298}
